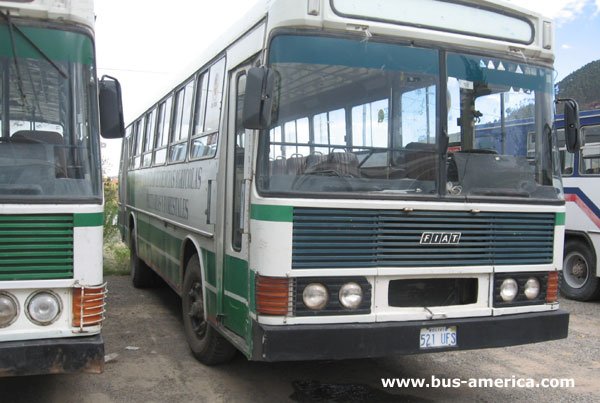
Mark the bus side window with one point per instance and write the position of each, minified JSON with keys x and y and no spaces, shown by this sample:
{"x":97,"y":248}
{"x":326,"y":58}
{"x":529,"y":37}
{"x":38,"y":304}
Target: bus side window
{"x":138,"y":135}
{"x":208,"y":112}
{"x":150,"y":129}
{"x":181,"y":124}
{"x":162,"y":131}
{"x":589,"y":160}
{"x":567,"y":160}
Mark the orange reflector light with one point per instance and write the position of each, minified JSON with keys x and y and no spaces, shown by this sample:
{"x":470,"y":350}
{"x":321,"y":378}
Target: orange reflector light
{"x":272,"y":295}
{"x":88,"y":306}
{"x":552,"y":289}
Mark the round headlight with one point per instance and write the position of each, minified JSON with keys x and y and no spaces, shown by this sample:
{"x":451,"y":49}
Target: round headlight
{"x":532,"y":288}
{"x":508,"y":290}
{"x":9,"y":309}
{"x":43,"y":307}
{"x":351,"y":295}
{"x":315,"y":296}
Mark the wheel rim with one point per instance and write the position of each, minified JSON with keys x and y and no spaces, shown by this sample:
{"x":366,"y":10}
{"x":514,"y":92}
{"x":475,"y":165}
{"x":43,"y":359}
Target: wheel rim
{"x":576,"y":271}
{"x":196,"y":310}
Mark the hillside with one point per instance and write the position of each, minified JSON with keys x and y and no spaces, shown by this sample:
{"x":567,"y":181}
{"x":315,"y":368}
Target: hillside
{"x":583,"y":85}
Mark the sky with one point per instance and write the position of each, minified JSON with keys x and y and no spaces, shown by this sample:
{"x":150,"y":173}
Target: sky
{"x":146,"y":43}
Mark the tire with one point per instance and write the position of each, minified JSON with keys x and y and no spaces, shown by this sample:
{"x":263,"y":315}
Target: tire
{"x":578,"y":278}
{"x":207,"y":345}
{"x":141,"y":274}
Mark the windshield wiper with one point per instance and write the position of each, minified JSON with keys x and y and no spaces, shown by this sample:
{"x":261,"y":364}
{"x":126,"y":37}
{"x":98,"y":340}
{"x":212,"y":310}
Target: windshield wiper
{"x":11,"y":26}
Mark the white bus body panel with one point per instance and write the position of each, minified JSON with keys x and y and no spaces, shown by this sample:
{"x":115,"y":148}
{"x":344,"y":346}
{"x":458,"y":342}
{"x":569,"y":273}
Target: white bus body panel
{"x":580,"y":215}
{"x":75,"y":11}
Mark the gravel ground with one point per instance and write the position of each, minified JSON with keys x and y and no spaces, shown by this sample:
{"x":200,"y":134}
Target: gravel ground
{"x":150,"y":362}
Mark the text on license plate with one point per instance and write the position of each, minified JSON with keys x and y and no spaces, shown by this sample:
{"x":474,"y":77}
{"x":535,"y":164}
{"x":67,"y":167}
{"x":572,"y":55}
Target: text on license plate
{"x":432,"y":337}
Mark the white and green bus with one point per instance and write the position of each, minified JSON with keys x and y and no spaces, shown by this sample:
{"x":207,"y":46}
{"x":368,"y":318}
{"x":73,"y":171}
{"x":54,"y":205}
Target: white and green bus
{"x":314,"y":186}
{"x":51,"y":204}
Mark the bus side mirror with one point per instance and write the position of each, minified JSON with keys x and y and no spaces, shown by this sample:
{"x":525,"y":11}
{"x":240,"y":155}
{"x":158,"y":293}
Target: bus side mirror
{"x":258,"y":100}
{"x":573,"y":134}
{"x":112,"y":124}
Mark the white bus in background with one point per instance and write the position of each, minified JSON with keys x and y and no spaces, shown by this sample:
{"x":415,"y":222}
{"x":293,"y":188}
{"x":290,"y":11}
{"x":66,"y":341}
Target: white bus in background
{"x":296,"y":187}
{"x":581,"y":177}
{"x":51,"y":202}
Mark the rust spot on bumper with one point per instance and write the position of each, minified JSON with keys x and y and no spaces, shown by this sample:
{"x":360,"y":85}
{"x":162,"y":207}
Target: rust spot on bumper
{"x":52,"y":356}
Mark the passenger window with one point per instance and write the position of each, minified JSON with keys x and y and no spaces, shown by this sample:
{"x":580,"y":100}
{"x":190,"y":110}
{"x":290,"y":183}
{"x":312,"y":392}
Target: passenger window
{"x":418,"y":116}
{"x":370,"y":124}
{"x":295,"y":133}
{"x":162,"y":132}
{"x":208,"y":112}
{"x":329,"y":129}
{"x":139,"y":140}
{"x":589,"y":160}
{"x":181,"y":127}
{"x":149,"y":138}
{"x":567,"y":160}
{"x":215,"y":96}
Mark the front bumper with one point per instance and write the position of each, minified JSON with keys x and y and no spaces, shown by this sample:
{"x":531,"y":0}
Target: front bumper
{"x":365,"y":340}
{"x":52,"y":356}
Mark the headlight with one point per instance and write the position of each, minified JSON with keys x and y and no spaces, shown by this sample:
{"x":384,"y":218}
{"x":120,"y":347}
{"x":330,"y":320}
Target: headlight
{"x":9,"y":309}
{"x":351,"y":295}
{"x":43,"y":307}
{"x":508,"y":290}
{"x":532,"y":288}
{"x":315,"y":296}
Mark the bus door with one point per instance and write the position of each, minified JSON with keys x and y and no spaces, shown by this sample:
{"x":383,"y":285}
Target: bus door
{"x":238,"y":176}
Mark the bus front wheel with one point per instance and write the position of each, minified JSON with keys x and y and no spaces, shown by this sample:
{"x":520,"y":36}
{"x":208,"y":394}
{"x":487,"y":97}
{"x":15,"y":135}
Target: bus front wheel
{"x":578,"y":279}
{"x":207,"y":345}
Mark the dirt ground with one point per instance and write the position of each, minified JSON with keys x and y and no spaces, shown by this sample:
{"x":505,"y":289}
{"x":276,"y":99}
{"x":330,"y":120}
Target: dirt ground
{"x":149,"y":362}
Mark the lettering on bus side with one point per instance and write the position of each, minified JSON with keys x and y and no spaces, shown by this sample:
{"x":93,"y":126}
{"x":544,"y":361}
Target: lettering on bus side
{"x":440,"y":238}
{"x":174,"y":206}
{"x":187,"y":178}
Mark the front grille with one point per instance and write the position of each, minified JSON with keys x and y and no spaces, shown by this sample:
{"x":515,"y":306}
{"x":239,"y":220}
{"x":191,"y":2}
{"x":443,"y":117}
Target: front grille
{"x":36,"y":247}
{"x":341,"y":238}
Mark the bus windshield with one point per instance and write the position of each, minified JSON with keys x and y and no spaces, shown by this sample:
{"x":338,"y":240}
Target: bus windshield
{"x":365,"y":118}
{"x":47,"y":104}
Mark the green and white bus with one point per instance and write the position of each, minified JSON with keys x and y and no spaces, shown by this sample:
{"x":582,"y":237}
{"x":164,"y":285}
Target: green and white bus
{"x":299,"y":190}
{"x":51,"y":204}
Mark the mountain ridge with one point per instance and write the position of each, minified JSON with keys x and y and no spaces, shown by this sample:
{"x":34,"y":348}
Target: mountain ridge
{"x":583,"y":85}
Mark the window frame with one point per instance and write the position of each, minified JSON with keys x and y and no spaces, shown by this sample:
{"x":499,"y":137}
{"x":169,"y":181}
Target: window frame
{"x":581,"y":168}
{"x":177,"y":129}
{"x":204,"y":76}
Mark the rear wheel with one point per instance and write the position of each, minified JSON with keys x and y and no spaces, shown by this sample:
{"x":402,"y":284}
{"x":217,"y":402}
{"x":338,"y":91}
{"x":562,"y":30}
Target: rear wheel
{"x":578,"y":280}
{"x":207,"y":345}
{"x":141,"y":274}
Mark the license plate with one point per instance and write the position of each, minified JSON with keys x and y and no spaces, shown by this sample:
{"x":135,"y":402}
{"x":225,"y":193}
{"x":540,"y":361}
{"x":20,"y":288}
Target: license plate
{"x":435,"y":337}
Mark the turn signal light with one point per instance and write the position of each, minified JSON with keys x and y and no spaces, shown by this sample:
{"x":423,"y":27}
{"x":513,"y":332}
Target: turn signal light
{"x":272,"y":295}
{"x":88,"y":306}
{"x":552,"y":289}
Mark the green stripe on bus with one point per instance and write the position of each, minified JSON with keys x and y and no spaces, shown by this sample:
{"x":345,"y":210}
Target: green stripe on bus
{"x":88,"y":220}
{"x":265,"y":212}
{"x":235,"y":284}
{"x":560,"y":219}
{"x":236,"y":276}
{"x":58,"y":45}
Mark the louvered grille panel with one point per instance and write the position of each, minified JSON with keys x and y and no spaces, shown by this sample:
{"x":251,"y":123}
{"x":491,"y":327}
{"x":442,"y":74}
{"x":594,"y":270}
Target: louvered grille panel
{"x":36,"y":247}
{"x":331,"y":238}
